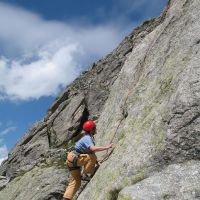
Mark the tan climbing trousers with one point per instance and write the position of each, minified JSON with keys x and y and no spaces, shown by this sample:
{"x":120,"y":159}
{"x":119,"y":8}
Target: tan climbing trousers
{"x":88,"y":162}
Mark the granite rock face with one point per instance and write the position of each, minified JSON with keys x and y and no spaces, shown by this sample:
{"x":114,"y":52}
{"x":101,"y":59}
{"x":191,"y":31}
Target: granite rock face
{"x":39,"y":183}
{"x":3,"y":182}
{"x":145,"y":98}
{"x":177,"y":181}
{"x":152,"y":114}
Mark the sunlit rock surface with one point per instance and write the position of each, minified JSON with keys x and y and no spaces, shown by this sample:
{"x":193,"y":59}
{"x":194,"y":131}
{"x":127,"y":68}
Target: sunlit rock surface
{"x":145,"y":98}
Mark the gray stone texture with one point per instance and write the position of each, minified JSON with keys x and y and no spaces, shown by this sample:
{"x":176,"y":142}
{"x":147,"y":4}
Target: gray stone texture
{"x":3,"y":182}
{"x":145,"y":98}
{"x":152,"y":113}
{"x":177,"y":181}
{"x":37,"y":184}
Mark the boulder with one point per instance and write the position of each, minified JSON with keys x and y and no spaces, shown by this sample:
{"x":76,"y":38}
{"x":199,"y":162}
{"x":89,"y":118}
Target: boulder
{"x":177,"y":181}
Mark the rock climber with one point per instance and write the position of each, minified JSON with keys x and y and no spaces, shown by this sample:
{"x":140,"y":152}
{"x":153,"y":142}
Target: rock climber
{"x":83,"y":155}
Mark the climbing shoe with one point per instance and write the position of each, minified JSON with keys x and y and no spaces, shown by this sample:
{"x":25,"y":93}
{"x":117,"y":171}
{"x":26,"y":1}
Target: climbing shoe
{"x":85,"y":178}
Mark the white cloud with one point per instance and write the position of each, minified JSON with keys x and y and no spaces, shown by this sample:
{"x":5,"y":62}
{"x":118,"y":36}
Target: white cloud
{"x":42,"y":56}
{"x":3,"y":153}
{"x":7,"y":131}
{"x":38,"y":56}
{"x":41,"y":77}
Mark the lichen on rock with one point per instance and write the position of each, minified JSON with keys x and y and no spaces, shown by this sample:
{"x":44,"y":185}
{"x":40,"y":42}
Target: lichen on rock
{"x":144,"y":97}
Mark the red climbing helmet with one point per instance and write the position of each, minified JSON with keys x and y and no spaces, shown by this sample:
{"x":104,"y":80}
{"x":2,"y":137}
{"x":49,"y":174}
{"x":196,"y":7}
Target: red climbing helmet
{"x":89,"y":125}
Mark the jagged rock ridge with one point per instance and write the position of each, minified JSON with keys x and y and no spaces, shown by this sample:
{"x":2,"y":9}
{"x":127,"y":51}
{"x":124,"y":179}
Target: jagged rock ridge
{"x":145,"y":96}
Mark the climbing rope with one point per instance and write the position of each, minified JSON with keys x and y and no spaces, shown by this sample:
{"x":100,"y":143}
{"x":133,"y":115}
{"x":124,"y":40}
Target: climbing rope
{"x":139,"y":66}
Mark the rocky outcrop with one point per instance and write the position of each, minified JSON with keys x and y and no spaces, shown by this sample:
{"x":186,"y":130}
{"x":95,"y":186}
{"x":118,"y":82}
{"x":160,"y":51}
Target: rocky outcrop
{"x":177,"y":181}
{"x":155,"y":102}
{"x":145,"y":97}
{"x":3,"y":182}
{"x":39,"y":183}
{"x":43,"y":146}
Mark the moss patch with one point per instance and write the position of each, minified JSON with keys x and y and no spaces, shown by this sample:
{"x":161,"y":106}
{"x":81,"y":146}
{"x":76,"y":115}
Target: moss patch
{"x":138,"y":177}
{"x":165,"y":85}
{"x":146,"y":111}
{"x":52,"y":137}
{"x":158,"y":137}
{"x":166,"y":196}
{"x":124,"y":197}
{"x":113,"y":194}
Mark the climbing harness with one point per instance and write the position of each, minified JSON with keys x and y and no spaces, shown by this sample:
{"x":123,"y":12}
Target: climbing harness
{"x":74,"y":161}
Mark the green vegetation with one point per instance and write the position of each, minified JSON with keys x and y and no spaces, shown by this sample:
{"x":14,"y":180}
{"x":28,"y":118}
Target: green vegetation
{"x":146,"y":111}
{"x":166,"y":196}
{"x":113,"y":194}
{"x":21,"y":173}
{"x":166,"y":87}
{"x":138,"y":177}
{"x":158,"y":137}
{"x":132,"y":123}
{"x":187,"y":57}
{"x":52,"y":137}
{"x":122,"y":134}
{"x":125,"y":197}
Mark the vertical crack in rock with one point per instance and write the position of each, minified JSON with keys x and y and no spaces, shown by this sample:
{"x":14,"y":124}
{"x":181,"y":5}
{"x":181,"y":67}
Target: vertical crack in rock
{"x":52,"y":137}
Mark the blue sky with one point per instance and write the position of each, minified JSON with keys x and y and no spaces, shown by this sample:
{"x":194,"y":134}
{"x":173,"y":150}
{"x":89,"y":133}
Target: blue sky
{"x":44,"y":45}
